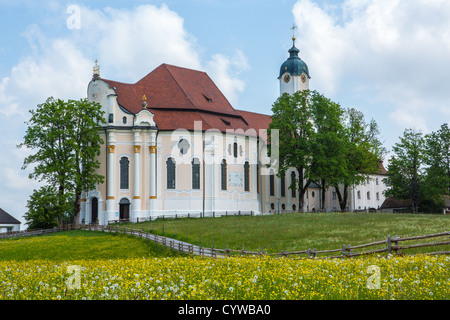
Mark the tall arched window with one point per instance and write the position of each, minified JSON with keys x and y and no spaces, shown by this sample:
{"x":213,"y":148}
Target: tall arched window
{"x":246,"y":176}
{"x":272,"y":183}
{"x":283,"y":185}
{"x":195,"y":173}
{"x":293,"y":184}
{"x":170,"y":163}
{"x":223,"y":174}
{"x":124,"y":173}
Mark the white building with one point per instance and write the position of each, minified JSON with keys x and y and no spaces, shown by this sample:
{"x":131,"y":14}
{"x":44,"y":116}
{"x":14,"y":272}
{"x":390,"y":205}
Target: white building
{"x":8,"y":223}
{"x":174,"y":145}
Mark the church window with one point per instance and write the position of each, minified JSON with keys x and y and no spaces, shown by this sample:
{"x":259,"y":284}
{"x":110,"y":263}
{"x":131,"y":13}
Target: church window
{"x":223,"y":174}
{"x":283,"y":185}
{"x":195,"y":173}
{"x":124,"y":173}
{"x":257,"y":178}
{"x":170,"y":163}
{"x":183,"y":145}
{"x":293,"y":184}
{"x":246,"y":176}
{"x":313,"y":194}
{"x":272,"y":184}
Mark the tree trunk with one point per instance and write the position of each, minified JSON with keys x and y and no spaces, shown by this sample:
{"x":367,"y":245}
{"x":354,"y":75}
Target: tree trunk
{"x":342,"y":197}
{"x":76,"y":209}
{"x":302,"y":189}
{"x":322,"y":204}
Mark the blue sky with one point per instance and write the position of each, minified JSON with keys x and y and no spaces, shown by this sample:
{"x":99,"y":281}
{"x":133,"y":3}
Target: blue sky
{"x":388,"y":59}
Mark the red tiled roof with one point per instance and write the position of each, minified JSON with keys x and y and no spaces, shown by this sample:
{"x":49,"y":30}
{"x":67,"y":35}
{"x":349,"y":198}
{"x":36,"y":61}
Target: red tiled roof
{"x":381,"y":169}
{"x":171,"y":87}
{"x":178,"y":97}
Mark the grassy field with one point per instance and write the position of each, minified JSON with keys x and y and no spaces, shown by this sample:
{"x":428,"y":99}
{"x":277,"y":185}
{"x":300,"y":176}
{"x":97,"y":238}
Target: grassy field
{"x":109,"y":266}
{"x":76,"y":245}
{"x":291,"y":232}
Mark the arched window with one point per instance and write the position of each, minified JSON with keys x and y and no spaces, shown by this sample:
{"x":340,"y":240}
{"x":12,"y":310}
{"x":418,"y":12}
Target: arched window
{"x":124,"y":173}
{"x":293,"y":184}
{"x":170,"y":163}
{"x":283,"y":185}
{"x":246,"y":176}
{"x":223,"y":174}
{"x":235,"y":150}
{"x":272,"y":183}
{"x":195,"y":173}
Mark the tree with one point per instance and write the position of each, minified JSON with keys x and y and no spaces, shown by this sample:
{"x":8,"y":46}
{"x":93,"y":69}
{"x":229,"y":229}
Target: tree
{"x":436,"y":180}
{"x":66,"y":138}
{"x":44,"y":208}
{"x":292,"y":117}
{"x":405,"y":169}
{"x":437,"y":158}
{"x":360,"y":154}
{"x":327,"y":156}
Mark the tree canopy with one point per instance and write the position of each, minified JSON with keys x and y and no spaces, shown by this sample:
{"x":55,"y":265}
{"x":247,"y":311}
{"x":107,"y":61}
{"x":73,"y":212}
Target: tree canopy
{"x":65,"y":138}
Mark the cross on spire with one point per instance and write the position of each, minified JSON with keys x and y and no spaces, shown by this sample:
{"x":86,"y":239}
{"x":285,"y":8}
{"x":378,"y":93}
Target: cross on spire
{"x":293,"y":31}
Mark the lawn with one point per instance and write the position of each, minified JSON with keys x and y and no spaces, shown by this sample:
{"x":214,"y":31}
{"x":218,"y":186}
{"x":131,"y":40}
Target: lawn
{"x":75,"y":245}
{"x":294,"y":232}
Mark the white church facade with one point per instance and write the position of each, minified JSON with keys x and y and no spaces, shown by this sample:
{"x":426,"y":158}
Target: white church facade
{"x":174,"y":145}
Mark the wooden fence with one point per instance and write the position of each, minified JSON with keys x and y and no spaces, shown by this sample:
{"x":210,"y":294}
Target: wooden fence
{"x":36,"y":232}
{"x":392,"y":245}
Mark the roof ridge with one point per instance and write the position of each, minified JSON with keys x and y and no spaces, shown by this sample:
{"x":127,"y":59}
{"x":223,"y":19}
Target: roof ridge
{"x":179,"y":86}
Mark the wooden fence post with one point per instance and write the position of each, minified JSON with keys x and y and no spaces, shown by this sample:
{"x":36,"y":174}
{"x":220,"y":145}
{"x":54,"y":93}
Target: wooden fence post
{"x":389,"y":244}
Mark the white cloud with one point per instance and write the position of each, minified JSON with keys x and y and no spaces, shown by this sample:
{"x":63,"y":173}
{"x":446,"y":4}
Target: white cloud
{"x":225,"y":72}
{"x":393,"y":51}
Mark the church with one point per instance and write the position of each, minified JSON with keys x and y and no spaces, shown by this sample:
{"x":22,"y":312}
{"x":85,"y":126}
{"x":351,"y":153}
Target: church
{"x":174,"y":145}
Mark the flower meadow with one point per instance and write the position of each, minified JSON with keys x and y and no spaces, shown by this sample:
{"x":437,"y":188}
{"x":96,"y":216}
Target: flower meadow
{"x":243,"y":278}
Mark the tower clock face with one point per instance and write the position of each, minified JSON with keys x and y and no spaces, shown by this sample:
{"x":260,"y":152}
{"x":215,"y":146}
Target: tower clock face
{"x":303,"y":77}
{"x":287,"y":78}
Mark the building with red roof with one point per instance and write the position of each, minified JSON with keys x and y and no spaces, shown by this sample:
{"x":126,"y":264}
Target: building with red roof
{"x":174,"y":145}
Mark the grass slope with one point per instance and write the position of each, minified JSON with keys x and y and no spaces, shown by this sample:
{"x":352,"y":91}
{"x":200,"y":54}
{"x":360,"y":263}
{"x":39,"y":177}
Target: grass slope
{"x":75,"y":245}
{"x":297,"y":231}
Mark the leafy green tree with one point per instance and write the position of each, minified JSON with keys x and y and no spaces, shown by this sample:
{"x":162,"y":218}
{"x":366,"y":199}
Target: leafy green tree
{"x":292,"y":117}
{"x":405,"y":169}
{"x":436,"y":181}
{"x":327,"y":157}
{"x":360,"y":154}
{"x":44,"y":208}
{"x":66,"y":138}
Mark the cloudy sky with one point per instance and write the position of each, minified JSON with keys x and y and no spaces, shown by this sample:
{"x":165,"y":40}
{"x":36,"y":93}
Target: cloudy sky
{"x":387,"y":58}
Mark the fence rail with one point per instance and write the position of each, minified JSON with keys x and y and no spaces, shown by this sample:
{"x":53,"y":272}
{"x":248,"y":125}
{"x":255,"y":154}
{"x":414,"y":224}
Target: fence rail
{"x":394,"y":246}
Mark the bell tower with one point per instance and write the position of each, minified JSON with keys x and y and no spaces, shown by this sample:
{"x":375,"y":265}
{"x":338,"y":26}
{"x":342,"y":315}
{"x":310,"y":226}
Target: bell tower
{"x":294,"y":73}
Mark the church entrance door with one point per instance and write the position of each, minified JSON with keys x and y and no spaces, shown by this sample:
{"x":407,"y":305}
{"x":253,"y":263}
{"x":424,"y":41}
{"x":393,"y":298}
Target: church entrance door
{"x":94,"y":210}
{"x":124,"y":209}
